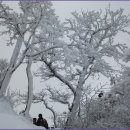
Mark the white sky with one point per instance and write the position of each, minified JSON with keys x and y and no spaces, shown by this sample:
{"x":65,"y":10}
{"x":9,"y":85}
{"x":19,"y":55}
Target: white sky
{"x":63,"y":9}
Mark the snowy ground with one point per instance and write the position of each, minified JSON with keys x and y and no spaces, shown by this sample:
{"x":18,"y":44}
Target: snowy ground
{"x":10,"y":120}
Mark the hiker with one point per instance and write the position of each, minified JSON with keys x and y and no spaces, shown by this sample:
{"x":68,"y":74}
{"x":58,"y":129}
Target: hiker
{"x":100,"y":94}
{"x":35,"y":121}
{"x":42,"y":122}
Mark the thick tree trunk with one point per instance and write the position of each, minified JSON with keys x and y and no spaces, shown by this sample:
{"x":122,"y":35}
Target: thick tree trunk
{"x":30,"y":87}
{"x":13,"y":61}
{"x":54,"y":120}
{"x":75,"y":105}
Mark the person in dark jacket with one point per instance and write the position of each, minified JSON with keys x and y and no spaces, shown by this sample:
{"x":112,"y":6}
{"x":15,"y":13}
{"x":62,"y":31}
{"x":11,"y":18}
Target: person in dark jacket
{"x":100,"y":94}
{"x":35,"y":121}
{"x":42,"y":122}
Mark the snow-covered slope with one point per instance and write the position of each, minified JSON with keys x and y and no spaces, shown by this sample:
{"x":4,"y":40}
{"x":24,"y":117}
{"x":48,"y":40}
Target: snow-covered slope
{"x":10,"y":120}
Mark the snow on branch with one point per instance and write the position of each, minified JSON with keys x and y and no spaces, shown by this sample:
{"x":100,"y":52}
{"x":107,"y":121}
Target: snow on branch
{"x":58,"y":96}
{"x":57,"y":75}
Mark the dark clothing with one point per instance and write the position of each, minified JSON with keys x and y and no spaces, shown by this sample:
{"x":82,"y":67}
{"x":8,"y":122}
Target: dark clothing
{"x":42,"y":122}
{"x":39,"y":121}
{"x":45,"y":124}
{"x":100,"y":95}
{"x":34,"y":121}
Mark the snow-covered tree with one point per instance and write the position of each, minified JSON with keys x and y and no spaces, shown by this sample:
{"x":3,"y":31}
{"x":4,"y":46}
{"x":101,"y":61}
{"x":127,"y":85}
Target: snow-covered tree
{"x":21,"y":28}
{"x":72,"y":58}
{"x":114,"y":108}
{"x":36,"y":28}
{"x":90,"y":41}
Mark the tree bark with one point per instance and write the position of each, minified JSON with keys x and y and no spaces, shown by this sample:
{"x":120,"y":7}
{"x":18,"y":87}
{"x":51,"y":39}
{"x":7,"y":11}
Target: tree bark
{"x":30,"y":87}
{"x":76,"y":101}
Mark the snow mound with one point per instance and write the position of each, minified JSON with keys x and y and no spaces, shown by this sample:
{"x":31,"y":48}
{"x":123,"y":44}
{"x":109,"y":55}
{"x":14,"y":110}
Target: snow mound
{"x":10,"y":120}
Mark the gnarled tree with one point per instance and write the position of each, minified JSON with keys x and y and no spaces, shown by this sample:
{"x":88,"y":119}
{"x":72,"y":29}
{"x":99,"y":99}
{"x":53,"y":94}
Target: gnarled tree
{"x":90,"y":41}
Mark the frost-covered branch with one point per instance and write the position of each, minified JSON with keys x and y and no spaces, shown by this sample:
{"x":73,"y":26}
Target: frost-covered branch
{"x":43,"y":51}
{"x":41,"y":98}
{"x":60,"y":97}
{"x":57,"y":75}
